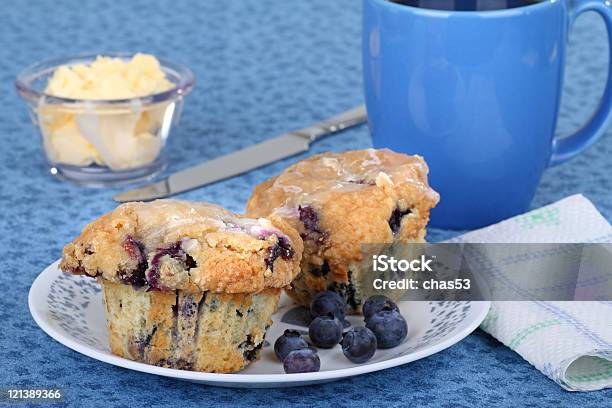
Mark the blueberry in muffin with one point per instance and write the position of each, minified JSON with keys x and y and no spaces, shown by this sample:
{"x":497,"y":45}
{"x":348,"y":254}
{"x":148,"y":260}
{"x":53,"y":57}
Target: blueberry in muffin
{"x":338,"y":202}
{"x":187,"y":285}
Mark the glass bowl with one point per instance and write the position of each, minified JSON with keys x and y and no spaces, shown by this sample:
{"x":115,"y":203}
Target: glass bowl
{"x":104,"y":143}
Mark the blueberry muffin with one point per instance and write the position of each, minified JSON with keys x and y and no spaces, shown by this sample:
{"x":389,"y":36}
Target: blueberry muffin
{"x":338,"y":202}
{"x":187,"y":285}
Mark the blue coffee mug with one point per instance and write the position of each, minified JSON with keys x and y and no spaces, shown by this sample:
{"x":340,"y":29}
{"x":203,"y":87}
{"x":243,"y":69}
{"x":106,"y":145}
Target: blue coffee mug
{"x":477,"y":94}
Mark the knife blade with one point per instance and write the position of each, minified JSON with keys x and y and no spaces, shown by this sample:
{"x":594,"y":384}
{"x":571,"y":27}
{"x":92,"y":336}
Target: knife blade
{"x":250,"y":158}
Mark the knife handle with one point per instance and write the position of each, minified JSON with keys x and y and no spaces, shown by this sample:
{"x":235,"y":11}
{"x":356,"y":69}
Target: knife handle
{"x":344,"y":120}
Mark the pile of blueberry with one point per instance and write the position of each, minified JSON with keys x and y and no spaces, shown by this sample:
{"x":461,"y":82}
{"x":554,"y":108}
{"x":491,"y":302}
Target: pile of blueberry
{"x":384,"y":328}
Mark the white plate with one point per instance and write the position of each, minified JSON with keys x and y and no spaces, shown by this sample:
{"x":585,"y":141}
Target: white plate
{"x":69,"y":309}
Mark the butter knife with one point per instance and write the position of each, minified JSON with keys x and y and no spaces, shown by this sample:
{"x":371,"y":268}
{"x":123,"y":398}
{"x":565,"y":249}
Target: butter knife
{"x":242,"y":161}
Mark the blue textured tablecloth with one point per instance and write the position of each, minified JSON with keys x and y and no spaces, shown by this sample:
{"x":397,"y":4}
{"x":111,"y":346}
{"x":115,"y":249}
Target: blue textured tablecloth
{"x":262,"y":67}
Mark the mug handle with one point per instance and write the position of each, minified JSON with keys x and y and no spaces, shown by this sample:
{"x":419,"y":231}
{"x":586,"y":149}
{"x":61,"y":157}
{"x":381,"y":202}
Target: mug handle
{"x":568,"y":147}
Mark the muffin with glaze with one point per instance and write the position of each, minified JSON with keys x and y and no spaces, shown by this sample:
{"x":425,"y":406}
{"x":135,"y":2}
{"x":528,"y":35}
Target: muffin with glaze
{"x":187,"y":285}
{"x":338,"y":203}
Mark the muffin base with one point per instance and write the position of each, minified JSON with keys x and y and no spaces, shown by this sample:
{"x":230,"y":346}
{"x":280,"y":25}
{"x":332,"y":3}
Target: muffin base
{"x":201,"y":331}
{"x":357,"y":285}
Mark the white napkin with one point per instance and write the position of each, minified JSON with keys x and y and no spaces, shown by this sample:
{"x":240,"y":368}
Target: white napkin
{"x":570,"y":342}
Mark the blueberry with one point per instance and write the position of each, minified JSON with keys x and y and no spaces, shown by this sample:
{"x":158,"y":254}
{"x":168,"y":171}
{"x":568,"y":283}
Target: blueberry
{"x":375,"y":304}
{"x":283,"y":249}
{"x":309,"y":218}
{"x":312,"y":226}
{"x":174,"y":251}
{"x":325,"y":331}
{"x":395,"y":221}
{"x":323,"y":270}
{"x":290,"y":340}
{"x":302,"y":361}
{"x":363,"y":182}
{"x":326,"y":302}
{"x":389,"y":327}
{"x":136,"y":250}
{"x":359,"y":344}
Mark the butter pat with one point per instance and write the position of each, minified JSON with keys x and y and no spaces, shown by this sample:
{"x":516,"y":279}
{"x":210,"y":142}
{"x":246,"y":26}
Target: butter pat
{"x":109,"y":78}
{"x":119,"y":136}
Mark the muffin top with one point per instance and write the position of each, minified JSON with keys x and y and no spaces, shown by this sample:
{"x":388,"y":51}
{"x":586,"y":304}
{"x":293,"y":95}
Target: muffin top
{"x":170,"y":244}
{"x":338,"y":202}
{"x":360,"y":175}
